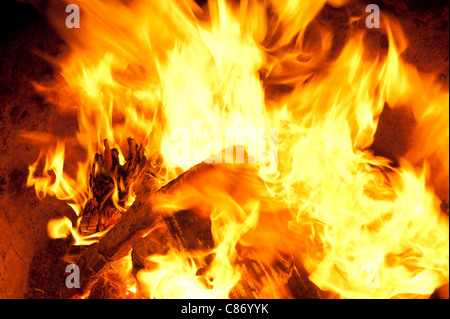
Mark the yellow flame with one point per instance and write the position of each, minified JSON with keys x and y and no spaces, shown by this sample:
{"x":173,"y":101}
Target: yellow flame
{"x":176,"y":76}
{"x":61,"y":185}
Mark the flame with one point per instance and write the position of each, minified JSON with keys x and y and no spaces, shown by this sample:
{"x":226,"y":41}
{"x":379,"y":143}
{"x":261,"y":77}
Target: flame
{"x":62,"y":228}
{"x":189,"y":82}
{"x":232,"y":213}
{"x":63,"y":186}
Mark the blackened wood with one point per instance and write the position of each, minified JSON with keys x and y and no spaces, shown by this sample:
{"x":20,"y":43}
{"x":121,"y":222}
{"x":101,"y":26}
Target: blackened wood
{"x":259,"y":279}
{"x":158,"y":242}
{"x":191,"y":230}
{"x":100,"y":212}
{"x":184,"y":231}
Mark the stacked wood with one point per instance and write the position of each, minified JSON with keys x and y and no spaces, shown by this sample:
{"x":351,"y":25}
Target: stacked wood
{"x":138,"y":220}
{"x":117,"y":241}
{"x":147,"y":231}
{"x":279,"y":278}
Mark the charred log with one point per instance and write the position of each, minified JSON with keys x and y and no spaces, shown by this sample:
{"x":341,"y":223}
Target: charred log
{"x":263,"y":280}
{"x":100,"y":211}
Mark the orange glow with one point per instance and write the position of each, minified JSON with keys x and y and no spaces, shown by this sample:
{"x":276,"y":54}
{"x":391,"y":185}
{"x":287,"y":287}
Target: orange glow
{"x":160,"y":70}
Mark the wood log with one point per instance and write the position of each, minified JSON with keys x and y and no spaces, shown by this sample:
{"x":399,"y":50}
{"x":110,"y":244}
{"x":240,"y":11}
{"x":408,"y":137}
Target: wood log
{"x":117,"y":242}
{"x":281,"y":278}
{"x":260,"y":279}
{"x":299,"y":285}
{"x":158,"y":242}
{"x":100,"y":212}
{"x":189,"y":231}
{"x":278,"y":278}
{"x":138,"y":220}
{"x":185,"y":231}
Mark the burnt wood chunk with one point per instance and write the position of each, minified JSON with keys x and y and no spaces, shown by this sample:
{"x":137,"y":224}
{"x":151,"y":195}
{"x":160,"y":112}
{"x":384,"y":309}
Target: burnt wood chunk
{"x":100,"y":211}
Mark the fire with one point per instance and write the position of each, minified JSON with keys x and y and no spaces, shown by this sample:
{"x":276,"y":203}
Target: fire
{"x":362,"y":226}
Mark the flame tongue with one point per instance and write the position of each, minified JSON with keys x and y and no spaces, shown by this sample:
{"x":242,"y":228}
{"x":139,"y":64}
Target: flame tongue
{"x":190,"y":82}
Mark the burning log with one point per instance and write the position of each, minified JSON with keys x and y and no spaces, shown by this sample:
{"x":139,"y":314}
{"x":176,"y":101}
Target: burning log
{"x":117,"y":242}
{"x":158,"y":242}
{"x":147,"y":231}
{"x":100,"y":212}
{"x":184,"y":231}
{"x":301,"y":287}
{"x":134,"y":224}
{"x":259,"y":279}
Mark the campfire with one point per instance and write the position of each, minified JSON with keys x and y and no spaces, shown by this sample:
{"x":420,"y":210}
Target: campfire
{"x":237,"y":149}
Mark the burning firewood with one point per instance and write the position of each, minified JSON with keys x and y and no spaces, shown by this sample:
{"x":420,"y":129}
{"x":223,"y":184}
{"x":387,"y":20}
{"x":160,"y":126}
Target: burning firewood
{"x":186,"y":232}
{"x":139,"y":219}
{"x":147,"y":230}
{"x":158,"y":242}
{"x":100,"y":212}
